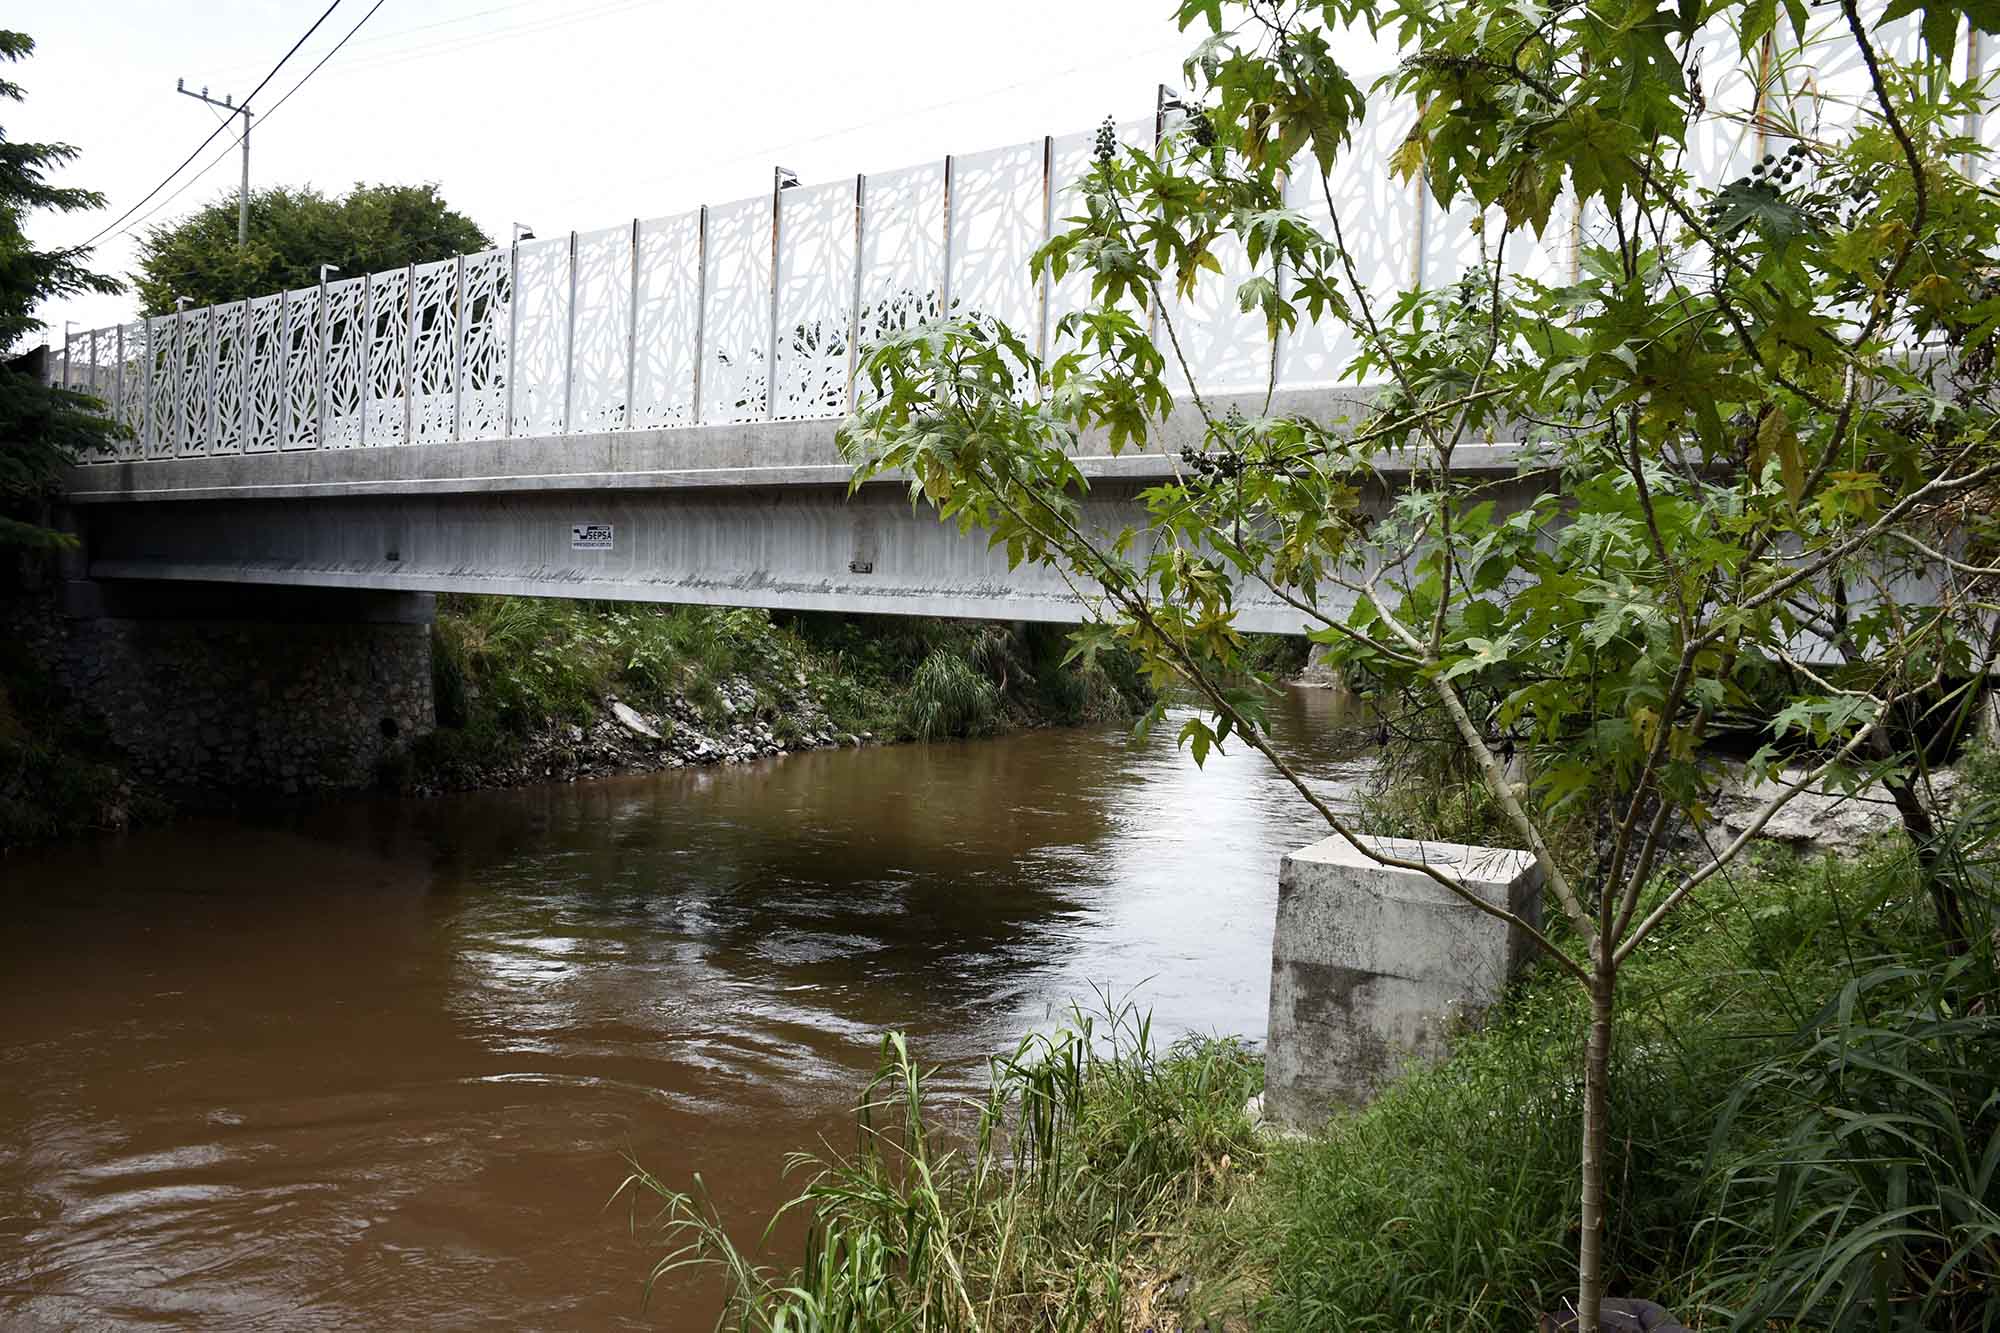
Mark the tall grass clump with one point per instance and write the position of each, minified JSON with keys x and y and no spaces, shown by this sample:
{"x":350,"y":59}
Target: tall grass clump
{"x":948,"y":698}
{"x":1873,"y":1204}
{"x":1032,"y":1208}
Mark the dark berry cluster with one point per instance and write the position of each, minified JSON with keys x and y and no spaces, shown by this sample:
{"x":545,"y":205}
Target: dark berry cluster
{"x":1212,"y":467}
{"x":1107,"y":140}
{"x":1782,"y":169}
{"x":1200,"y":130}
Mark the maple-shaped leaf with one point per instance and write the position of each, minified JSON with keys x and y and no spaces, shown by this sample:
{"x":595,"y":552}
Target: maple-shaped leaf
{"x":1754,"y":204}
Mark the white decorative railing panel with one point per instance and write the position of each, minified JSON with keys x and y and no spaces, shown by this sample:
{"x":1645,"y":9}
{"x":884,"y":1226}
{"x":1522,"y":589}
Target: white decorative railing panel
{"x":759,"y":309}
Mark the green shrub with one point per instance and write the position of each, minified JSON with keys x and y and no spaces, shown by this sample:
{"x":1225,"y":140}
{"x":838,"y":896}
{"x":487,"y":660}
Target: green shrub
{"x":948,"y":698}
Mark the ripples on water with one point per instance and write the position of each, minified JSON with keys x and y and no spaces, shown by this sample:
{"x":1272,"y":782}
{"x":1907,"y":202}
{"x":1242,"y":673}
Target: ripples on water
{"x":376,"y":1065}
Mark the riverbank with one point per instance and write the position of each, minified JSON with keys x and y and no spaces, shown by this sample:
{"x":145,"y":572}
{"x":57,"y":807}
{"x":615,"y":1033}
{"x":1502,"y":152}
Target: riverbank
{"x":1804,"y":1119}
{"x":535,"y":689}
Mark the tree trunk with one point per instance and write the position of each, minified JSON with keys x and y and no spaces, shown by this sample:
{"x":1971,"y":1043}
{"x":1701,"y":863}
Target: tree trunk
{"x":1923,"y":835}
{"x":1596,"y":1112}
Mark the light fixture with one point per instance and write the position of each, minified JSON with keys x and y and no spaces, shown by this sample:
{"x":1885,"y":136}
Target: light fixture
{"x":784,"y":178}
{"x":523,"y":232}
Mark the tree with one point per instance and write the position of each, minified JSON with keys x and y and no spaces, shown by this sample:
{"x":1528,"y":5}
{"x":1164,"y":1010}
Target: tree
{"x":1764,"y":408}
{"x":42,"y":428}
{"x":292,"y":232}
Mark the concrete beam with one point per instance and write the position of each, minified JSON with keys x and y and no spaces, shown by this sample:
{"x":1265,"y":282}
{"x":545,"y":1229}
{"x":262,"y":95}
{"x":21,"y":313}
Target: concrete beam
{"x":784,"y":548}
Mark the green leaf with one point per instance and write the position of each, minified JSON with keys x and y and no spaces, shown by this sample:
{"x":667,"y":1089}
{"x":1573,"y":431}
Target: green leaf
{"x":1775,"y":436}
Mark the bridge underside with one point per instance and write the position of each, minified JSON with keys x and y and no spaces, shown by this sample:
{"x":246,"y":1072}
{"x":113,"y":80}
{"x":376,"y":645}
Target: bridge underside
{"x":793,"y":548}
{"x":683,"y":516}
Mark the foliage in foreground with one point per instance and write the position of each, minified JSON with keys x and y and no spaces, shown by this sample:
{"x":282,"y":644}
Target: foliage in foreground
{"x":1808,"y":1094}
{"x":1757,"y":416}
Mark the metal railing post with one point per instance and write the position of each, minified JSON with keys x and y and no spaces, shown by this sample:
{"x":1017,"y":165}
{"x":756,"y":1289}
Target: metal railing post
{"x":1279,"y":278}
{"x":944,"y":283}
{"x":513,"y":328}
{"x":180,"y":383}
{"x":118,"y":411}
{"x":247,"y":409}
{"x":854,"y":309}
{"x":630,"y":416}
{"x":1043,"y":286}
{"x":569,"y":343}
{"x":151,"y":426}
{"x":367,"y":332}
{"x":458,"y":348}
{"x":410,"y":355}
{"x":68,"y":338}
{"x":777,"y":282}
{"x":325,"y":353}
{"x":1421,"y":184}
{"x":700,"y":304}
{"x":211,"y":352}
{"x":1159,"y":137}
{"x":1975,"y":119}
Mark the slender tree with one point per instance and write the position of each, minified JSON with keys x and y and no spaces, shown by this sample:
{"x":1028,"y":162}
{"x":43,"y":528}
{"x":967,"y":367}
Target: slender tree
{"x":42,"y":428}
{"x":1755,"y":409}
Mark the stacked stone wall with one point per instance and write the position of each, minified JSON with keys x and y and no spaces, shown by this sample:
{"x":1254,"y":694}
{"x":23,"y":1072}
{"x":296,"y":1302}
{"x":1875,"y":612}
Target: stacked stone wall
{"x":263,"y":704}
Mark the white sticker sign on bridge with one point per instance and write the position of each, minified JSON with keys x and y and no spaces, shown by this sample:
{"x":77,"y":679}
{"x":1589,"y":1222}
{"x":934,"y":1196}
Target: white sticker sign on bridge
{"x":590,"y":536}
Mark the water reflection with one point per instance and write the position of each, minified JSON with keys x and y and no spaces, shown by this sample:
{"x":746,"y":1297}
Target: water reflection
{"x":377,"y":1064}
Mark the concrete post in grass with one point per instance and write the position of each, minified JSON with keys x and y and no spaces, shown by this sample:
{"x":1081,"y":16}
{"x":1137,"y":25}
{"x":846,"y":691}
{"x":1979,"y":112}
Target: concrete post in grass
{"x":1373,"y":967}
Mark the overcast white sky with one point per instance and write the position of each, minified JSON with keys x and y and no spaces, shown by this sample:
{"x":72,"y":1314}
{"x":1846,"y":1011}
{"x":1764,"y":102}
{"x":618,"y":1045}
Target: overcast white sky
{"x":564,"y":113}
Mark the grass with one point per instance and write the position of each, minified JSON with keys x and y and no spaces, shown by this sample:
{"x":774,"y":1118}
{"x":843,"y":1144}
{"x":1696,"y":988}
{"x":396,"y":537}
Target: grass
{"x":1448,"y":1204}
{"x":1035,"y":1208}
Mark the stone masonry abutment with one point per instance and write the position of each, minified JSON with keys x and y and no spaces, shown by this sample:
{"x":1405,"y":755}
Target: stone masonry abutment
{"x":218,"y":689}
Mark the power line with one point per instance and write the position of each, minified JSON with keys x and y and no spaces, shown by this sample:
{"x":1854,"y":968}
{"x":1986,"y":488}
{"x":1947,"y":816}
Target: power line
{"x":200,"y":147}
{"x":219,"y":157}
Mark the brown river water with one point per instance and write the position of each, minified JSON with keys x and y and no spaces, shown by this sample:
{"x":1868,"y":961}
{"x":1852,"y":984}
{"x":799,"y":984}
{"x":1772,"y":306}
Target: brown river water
{"x":380,"y":1064}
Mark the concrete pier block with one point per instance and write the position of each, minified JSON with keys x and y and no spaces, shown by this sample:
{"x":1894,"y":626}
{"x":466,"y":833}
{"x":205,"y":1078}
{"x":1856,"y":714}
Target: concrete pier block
{"x":1374,"y":966}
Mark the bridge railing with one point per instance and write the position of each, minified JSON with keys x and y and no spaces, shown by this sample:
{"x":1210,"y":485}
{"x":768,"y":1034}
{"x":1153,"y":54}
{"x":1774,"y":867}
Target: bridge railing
{"x":756,"y":310}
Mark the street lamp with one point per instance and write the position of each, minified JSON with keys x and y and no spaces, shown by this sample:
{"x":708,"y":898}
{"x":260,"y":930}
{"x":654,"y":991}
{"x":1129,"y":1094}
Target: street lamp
{"x":523,"y":232}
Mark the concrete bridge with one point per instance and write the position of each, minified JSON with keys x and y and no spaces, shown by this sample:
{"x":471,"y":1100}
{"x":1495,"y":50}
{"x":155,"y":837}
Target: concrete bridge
{"x":647,"y":411}
{"x":735,"y":515}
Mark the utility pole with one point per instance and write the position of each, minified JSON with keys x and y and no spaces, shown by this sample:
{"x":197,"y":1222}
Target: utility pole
{"x":228,"y":104}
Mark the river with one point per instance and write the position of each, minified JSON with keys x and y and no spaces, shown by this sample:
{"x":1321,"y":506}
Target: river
{"x":379,"y":1064}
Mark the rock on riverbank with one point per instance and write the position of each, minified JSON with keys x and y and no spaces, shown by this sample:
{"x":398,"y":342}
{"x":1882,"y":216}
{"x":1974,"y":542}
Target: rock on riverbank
{"x":621,"y":738}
